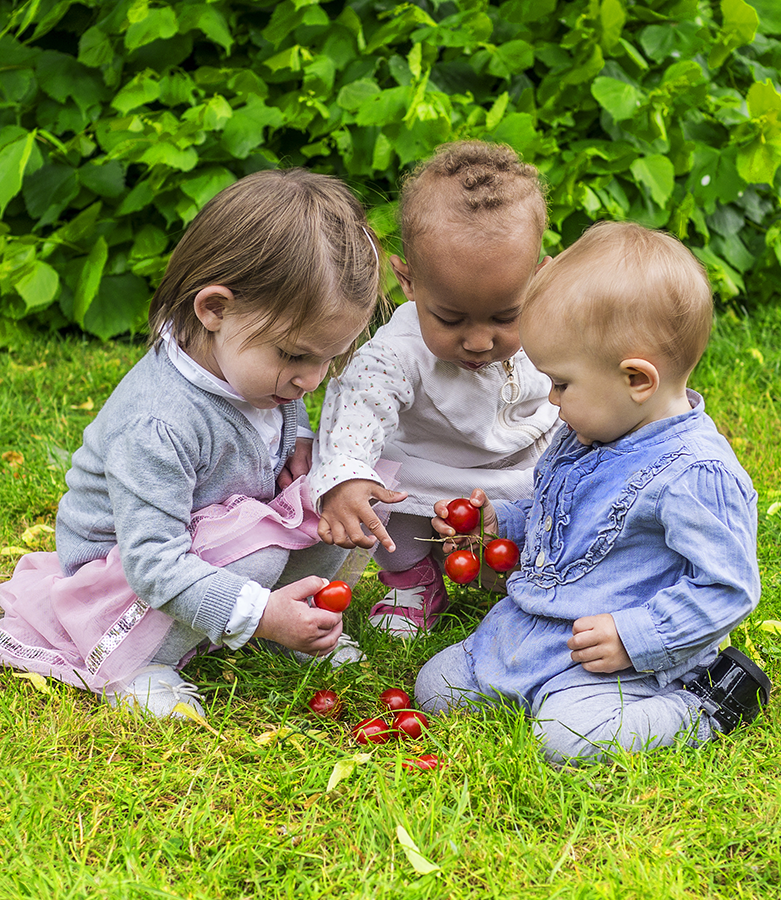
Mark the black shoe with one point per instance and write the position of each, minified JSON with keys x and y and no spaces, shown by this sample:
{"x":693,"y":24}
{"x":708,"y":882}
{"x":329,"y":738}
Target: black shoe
{"x":733,"y":689}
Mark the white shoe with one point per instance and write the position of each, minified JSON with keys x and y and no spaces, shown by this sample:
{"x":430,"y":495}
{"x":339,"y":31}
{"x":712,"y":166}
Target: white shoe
{"x":156,"y":690}
{"x":346,"y":651}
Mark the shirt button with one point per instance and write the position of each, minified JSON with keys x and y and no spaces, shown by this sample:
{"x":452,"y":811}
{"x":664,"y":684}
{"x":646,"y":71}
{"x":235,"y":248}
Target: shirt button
{"x":540,"y":561}
{"x":548,"y":523}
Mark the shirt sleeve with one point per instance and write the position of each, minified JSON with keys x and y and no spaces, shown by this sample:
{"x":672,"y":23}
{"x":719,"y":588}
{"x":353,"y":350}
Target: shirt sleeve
{"x":710,"y":519}
{"x":247,"y":613}
{"x":360,"y":412}
{"x":512,"y":519}
{"x":151,"y":475}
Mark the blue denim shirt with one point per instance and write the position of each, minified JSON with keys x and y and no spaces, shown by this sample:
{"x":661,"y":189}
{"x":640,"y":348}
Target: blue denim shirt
{"x":657,"y":528}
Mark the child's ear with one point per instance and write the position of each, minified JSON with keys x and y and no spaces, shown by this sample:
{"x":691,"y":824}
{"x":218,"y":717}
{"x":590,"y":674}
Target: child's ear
{"x":544,"y":262}
{"x":642,"y":378}
{"x":209,"y":305}
{"x":404,"y":276}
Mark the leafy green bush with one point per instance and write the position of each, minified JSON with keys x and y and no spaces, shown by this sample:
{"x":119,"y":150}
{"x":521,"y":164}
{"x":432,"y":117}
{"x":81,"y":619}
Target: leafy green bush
{"x":119,"y":119}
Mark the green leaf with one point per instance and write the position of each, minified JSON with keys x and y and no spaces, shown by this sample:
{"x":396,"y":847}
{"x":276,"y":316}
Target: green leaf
{"x":769,"y":13}
{"x":13,"y":162}
{"x":39,"y":287}
{"x":385,"y":107}
{"x":156,"y":24}
{"x":142,"y":89}
{"x":656,"y":172}
{"x":120,"y":306}
{"x":148,"y":241}
{"x":207,"y":183}
{"x":210,"y":21}
{"x":517,"y":130}
{"x":496,"y":112}
{"x":89,"y":280}
{"x":49,"y":191}
{"x":620,"y":99}
{"x":62,"y":76}
{"x":526,"y":11}
{"x":95,"y":48}
{"x":105,"y":179}
{"x":245,"y":130}
{"x":353,"y":95}
{"x":80,"y":231}
{"x":164,"y":154}
{"x":612,"y":18}
{"x":740,"y":26}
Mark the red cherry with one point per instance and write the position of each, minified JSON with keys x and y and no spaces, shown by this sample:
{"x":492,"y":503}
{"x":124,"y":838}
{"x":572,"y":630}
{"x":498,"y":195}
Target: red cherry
{"x":325,"y":703}
{"x":395,"y":698}
{"x":462,"y":566}
{"x":462,"y":516}
{"x":426,"y":761}
{"x":372,"y":731}
{"x":502,"y":555}
{"x":409,"y":723}
{"x":334,"y":597}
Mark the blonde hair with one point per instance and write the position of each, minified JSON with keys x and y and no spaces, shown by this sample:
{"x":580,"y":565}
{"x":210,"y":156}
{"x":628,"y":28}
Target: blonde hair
{"x":289,"y":244}
{"x":630,"y":291}
{"x":485,"y":186}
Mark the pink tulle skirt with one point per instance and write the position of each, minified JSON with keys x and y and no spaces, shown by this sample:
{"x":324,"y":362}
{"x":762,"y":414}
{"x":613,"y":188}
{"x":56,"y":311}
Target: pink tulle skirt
{"x":90,"y":630}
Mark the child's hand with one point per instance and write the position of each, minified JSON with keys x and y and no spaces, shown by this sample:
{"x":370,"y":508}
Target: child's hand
{"x":346,"y":507}
{"x":298,"y":463}
{"x":595,"y":644}
{"x":478,"y":499}
{"x":289,"y":620}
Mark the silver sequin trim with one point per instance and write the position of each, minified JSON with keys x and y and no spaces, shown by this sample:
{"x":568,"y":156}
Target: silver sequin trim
{"x":115,"y":635}
{"x":24,"y":652}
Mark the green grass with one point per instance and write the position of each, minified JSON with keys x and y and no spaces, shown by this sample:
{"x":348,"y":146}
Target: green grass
{"x":96,"y":803}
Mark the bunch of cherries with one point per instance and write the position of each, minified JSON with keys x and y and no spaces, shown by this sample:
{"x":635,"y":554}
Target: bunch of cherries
{"x":463,"y":566}
{"x":407,"y":723}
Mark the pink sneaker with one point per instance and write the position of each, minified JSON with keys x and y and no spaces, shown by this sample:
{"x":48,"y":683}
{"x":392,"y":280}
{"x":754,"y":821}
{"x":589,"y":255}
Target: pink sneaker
{"x":415,"y":602}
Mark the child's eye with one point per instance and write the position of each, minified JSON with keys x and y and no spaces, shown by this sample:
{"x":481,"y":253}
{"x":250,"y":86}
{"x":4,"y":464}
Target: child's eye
{"x":446,"y":323}
{"x":559,"y":388}
{"x":288,"y":357}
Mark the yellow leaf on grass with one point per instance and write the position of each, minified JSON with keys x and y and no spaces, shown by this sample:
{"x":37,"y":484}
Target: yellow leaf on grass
{"x":345,"y":768}
{"x":13,"y":551}
{"x":189,"y":712}
{"x":771,"y":625}
{"x":31,"y":535}
{"x":88,"y":404}
{"x":14,"y":458}
{"x":419,"y":862}
{"x":774,"y":508}
{"x":37,"y":681}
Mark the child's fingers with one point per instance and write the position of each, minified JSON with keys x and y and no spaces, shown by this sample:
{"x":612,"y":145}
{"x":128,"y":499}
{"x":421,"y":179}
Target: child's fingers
{"x":385,"y":496}
{"x":375,"y":526}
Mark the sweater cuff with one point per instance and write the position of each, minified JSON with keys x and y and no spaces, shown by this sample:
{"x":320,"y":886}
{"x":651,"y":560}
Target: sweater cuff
{"x":217,"y":605}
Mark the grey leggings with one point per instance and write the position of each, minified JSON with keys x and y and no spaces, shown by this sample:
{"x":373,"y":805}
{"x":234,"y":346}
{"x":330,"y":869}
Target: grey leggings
{"x":578,"y":723}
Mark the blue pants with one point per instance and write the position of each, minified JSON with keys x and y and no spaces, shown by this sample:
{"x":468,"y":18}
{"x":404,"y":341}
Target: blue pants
{"x":580,"y":721}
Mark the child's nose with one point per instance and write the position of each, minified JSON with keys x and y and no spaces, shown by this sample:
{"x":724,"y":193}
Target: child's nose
{"x":478,"y":340}
{"x":554,"y":398}
{"x":310,"y":378}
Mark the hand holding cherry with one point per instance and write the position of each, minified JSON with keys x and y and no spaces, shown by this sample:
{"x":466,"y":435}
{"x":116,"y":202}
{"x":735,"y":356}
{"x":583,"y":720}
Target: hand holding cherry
{"x":474,"y":517}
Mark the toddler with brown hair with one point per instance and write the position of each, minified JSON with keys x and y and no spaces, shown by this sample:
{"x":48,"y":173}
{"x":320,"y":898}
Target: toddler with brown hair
{"x":188,"y":519}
